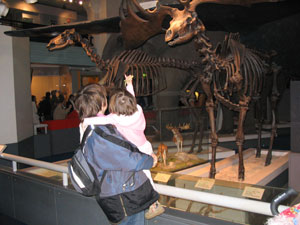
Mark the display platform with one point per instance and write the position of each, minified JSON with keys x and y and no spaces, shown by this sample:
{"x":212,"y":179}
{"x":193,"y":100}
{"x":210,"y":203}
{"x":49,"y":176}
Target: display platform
{"x":181,"y":161}
{"x":255,"y":170}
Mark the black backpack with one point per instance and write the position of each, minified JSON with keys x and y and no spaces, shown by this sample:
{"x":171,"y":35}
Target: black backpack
{"x":82,"y":174}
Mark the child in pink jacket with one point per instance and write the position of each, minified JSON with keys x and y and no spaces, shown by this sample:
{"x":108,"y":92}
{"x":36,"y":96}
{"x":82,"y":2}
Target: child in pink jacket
{"x":128,"y":117}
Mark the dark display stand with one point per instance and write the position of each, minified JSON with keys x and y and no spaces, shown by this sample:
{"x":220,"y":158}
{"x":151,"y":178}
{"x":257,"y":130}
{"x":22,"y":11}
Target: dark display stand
{"x":35,"y":200}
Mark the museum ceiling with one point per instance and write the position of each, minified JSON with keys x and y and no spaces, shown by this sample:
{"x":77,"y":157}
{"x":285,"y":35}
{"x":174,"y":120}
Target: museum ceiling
{"x":215,"y":17}
{"x":64,"y":5}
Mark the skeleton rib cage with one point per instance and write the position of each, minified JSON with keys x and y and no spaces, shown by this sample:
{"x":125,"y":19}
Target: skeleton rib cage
{"x":146,"y":69}
{"x":236,"y":70}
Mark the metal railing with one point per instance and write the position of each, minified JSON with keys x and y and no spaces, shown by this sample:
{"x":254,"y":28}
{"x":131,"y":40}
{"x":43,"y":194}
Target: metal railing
{"x":192,"y":195}
{"x":33,"y":162}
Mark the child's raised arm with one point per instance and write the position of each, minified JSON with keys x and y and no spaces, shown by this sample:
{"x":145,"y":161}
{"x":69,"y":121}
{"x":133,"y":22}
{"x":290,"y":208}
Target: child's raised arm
{"x":128,"y":83}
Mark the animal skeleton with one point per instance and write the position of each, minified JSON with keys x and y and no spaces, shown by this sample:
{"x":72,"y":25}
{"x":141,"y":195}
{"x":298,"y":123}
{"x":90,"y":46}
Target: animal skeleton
{"x":229,"y":69}
{"x":145,"y":68}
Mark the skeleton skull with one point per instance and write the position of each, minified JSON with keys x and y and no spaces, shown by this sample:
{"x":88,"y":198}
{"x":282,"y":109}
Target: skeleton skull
{"x":183,"y":26}
{"x":63,"y":40}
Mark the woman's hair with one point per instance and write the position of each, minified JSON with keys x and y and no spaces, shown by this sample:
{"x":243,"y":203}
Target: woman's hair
{"x":90,"y":100}
{"x":122,"y":102}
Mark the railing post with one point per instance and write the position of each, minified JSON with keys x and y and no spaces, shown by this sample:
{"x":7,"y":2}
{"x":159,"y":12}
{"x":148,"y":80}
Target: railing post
{"x":14,"y":166}
{"x":65,"y":179}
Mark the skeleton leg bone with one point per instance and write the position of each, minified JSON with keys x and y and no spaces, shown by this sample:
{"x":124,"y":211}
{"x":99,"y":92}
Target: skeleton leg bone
{"x":240,"y":140}
{"x":214,"y":137}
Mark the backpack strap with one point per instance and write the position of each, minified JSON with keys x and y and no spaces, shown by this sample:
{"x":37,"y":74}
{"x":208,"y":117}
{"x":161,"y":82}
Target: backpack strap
{"x":102,"y":178}
{"x":97,"y":197}
{"x":118,"y":141}
{"x":85,"y":135}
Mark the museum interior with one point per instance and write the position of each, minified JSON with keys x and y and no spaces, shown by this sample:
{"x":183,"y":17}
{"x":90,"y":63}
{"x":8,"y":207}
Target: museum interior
{"x":217,"y":81}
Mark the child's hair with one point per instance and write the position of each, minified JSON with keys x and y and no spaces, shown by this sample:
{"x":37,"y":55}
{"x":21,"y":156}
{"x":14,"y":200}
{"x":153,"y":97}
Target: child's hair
{"x":90,"y":100}
{"x":122,"y":102}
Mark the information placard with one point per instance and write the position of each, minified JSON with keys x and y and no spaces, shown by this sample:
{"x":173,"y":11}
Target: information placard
{"x":205,"y":183}
{"x":162,"y":177}
{"x":253,"y":192}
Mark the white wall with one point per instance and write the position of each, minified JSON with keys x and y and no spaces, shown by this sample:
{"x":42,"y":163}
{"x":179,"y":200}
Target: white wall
{"x":22,"y":87}
{"x":8,"y":124}
{"x":15,"y":97}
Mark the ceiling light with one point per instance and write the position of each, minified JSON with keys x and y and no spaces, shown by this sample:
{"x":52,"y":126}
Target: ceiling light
{"x":31,"y":1}
{"x":70,"y":1}
{"x":80,"y":2}
{"x":3,"y":9}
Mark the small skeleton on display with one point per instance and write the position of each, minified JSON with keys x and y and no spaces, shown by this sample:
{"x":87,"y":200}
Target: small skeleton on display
{"x":177,"y":137}
{"x":162,"y":152}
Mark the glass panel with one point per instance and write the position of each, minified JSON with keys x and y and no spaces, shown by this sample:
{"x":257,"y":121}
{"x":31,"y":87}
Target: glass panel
{"x":161,"y":125}
{"x":226,"y":188}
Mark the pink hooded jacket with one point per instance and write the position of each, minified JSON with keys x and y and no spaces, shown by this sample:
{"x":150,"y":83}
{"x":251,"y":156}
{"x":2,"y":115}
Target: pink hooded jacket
{"x":131,"y":127}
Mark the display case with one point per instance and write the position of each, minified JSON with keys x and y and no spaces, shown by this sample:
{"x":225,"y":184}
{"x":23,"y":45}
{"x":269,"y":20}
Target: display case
{"x":201,"y":184}
{"x":221,"y":187}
